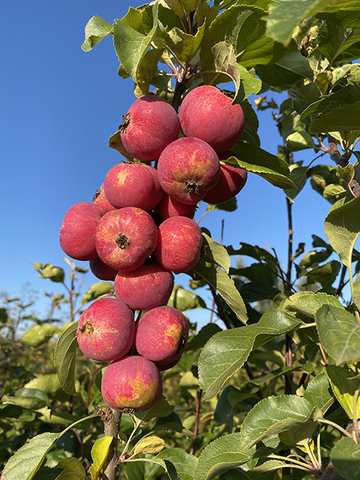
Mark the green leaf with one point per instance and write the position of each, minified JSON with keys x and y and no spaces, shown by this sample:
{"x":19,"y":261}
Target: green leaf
{"x":183,"y":44}
{"x":286,"y":15}
{"x":342,"y":228}
{"x":142,"y":467}
{"x":220,"y":456}
{"x":72,"y":469}
{"x":95,"y":30}
{"x":229,"y":206}
{"x":206,"y":332}
{"x":151,"y":444}
{"x":215,"y":252}
{"x":27,"y":460}
{"x":99,"y":453}
{"x":29,"y":398}
{"x":333,"y":40}
{"x":221,"y":282}
{"x":184,"y":463}
{"x":268,"y":166}
{"x":341,"y":119}
{"x":308,"y":303}
{"x":64,"y":358}
{"x":292,"y":68}
{"x":319,"y":394}
{"x":132,"y":45}
{"x":325,"y":274}
{"x":55,"y":274}
{"x":96,"y":290}
{"x":115,"y":142}
{"x":339,"y":333}
{"x":345,"y":457}
{"x":344,"y":384}
{"x":39,"y":334}
{"x":184,"y":300}
{"x":47,"y":383}
{"x":162,"y":408}
{"x":227,"y":351}
{"x":274,"y":415}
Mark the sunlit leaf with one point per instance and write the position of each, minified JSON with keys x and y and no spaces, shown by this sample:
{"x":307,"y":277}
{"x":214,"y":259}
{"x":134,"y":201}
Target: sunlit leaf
{"x":64,"y":358}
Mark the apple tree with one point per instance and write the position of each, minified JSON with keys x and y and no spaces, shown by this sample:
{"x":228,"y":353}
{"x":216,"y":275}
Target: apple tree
{"x":274,"y":394}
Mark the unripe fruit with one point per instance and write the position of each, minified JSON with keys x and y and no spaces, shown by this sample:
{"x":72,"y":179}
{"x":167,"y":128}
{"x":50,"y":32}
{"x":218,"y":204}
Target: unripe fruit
{"x":208,"y":114}
{"x":232,"y":180}
{"x":161,"y":334}
{"x":106,"y":330}
{"x":179,"y":244}
{"x":148,"y":127}
{"x":144,"y":288}
{"x":78,"y":229}
{"x":187,"y":169}
{"x":169,"y":207}
{"x":125,"y":238}
{"x":133,"y":185}
{"x":133,"y":382}
{"x":101,"y":270}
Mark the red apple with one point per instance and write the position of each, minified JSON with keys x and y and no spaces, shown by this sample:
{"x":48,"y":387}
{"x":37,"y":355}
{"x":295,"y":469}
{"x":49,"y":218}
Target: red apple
{"x":101,"y":270}
{"x":169,"y":207}
{"x":208,"y":114}
{"x":78,"y":229}
{"x":125,"y":238}
{"x":232,"y":180}
{"x":161,"y":334}
{"x":187,"y":169}
{"x":144,"y":288}
{"x":150,"y":124}
{"x":106,"y":330}
{"x":133,"y":383}
{"x":179,"y":244}
{"x":133,"y":185}
{"x":101,"y":201}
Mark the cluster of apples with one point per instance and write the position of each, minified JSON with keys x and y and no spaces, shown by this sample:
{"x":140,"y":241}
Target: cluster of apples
{"x":139,"y":230}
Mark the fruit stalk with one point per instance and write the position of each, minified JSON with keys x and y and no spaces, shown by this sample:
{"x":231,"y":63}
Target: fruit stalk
{"x":112,"y":421}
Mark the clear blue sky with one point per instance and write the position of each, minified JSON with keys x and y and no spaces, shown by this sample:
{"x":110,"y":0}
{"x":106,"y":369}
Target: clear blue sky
{"x":59,"y":106}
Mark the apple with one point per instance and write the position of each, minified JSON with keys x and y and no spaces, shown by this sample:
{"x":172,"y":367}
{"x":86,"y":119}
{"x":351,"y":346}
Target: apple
{"x":106,"y":330}
{"x":207,"y":113}
{"x":131,"y":383}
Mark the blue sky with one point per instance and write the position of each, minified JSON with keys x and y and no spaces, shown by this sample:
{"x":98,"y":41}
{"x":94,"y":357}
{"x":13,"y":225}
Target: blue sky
{"x":59,"y":106}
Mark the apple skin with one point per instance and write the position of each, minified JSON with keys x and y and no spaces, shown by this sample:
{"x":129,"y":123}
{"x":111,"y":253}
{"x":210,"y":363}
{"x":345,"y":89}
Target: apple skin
{"x":125,"y":238}
{"x":78,"y":230}
{"x":161,"y":334}
{"x":187,"y":169}
{"x":208,"y":114}
{"x":101,"y":270}
{"x":101,"y":201}
{"x":133,"y":185}
{"x":133,"y":383}
{"x":144,"y":288}
{"x":231,"y":182}
{"x":179,"y":244}
{"x":150,"y":124}
{"x":106,"y":330}
{"x":169,"y":207}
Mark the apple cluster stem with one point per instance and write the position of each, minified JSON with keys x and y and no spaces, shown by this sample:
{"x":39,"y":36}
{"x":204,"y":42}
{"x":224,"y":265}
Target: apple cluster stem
{"x":111,"y":429}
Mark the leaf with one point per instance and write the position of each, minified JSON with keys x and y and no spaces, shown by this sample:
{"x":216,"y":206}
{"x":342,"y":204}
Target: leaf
{"x":220,"y":456}
{"x":345,"y":457}
{"x":184,"y":45}
{"x":72,"y":469}
{"x":227,"y":351}
{"x":49,"y":384}
{"x":339,"y":333}
{"x":115,"y":142}
{"x":96,"y":290}
{"x":151,"y":444}
{"x":344,"y":384}
{"x":95,"y":30}
{"x":184,"y":463}
{"x":268,"y":166}
{"x":27,"y":460}
{"x":319,"y":393}
{"x":206,"y":332}
{"x":342,"y":228}
{"x":64,"y":358}
{"x":29,"y":398}
{"x":325,"y":274}
{"x":221,"y":282}
{"x":55,"y":274}
{"x":341,"y":119}
{"x":162,"y":408}
{"x":39,"y":334}
{"x":286,"y":15}
{"x":308,"y":303}
{"x":274,"y":415}
{"x":99,"y":453}
{"x":215,"y":252}
{"x":132,"y":45}
{"x":184,"y":300}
